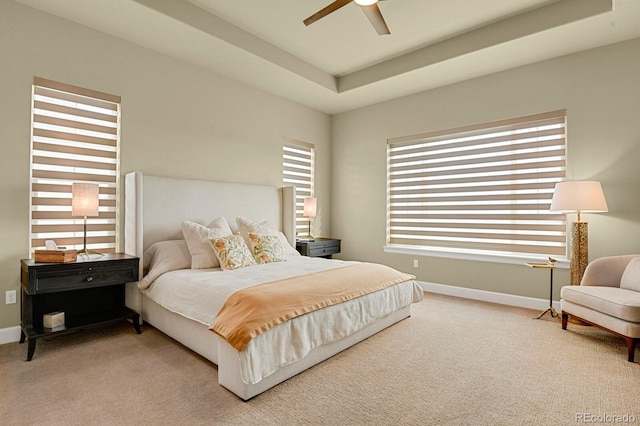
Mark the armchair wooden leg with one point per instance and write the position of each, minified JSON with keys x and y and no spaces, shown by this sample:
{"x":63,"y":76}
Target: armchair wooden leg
{"x":631,"y":341}
{"x":631,"y":347}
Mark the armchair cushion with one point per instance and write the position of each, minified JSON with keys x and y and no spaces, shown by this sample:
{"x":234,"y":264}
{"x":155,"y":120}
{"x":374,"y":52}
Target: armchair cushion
{"x":631,"y":276}
{"x":616,"y":302}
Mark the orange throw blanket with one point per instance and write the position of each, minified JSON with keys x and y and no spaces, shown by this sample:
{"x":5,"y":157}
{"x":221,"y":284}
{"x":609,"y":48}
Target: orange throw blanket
{"x":252,"y":311}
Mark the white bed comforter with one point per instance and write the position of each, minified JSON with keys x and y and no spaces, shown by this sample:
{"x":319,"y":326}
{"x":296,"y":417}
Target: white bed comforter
{"x":199,"y":294}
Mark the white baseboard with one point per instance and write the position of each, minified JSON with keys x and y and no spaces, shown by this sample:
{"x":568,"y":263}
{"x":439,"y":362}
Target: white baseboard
{"x":489,"y":296}
{"x":9,"y":335}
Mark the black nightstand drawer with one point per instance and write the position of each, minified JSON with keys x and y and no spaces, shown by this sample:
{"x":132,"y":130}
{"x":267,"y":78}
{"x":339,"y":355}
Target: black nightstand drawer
{"x":78,"y":275}
{"x":323,"y":251}
{"x":83,"y":278}
{"x":320,"y":247}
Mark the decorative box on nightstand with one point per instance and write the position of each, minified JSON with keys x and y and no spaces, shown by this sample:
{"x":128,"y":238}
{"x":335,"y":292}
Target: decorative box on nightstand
{"x":319,"y":247}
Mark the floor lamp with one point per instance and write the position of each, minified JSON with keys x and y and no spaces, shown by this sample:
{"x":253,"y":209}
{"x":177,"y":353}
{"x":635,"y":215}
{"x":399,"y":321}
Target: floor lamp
{"x":84,"y":202}
{"x":579,"y":197}
{"x":310,"y":209}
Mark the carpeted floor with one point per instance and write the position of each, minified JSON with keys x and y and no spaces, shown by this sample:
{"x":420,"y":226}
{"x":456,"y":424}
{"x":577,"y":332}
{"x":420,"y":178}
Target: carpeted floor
{"x":454,"y":362}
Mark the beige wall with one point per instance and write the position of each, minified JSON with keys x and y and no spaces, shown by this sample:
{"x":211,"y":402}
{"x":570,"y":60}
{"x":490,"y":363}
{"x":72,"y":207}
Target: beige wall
{"x":180,"y":120}
{"x":601,"y":91}
{"x":177,"y":120}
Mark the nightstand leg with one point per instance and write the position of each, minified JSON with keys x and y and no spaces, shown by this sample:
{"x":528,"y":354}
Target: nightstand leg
{"x":31,"y":349}
{"x":136,"y":324}
{"x":22,"y":336}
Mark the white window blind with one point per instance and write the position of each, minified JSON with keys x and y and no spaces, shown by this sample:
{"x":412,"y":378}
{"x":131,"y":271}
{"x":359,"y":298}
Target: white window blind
{"x":298,"y":170}
{"x":75,"y":138}
{"x":480,"y":189}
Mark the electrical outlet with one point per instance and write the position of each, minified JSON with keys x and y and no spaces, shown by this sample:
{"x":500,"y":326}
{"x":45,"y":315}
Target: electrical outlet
{"x":416,"y":264}
{"x":10,"y":297}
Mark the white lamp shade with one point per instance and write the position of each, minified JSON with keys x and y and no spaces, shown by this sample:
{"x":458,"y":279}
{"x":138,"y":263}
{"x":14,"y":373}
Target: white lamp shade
{"x":84,"y":199}
{"x":365,"y":2}
{"x":310,"y":207}
{"x":578,"y":196}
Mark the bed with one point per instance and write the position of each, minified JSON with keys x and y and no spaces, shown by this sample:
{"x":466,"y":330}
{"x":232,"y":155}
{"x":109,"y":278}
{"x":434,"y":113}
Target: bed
{"x":189,"y":304}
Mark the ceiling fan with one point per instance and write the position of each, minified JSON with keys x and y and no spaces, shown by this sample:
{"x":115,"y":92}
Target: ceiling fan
{"x":369,"y":7}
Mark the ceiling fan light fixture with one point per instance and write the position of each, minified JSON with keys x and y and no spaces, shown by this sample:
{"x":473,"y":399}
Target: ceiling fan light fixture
{"x":369,"y":8}
{"x":365,"y":2}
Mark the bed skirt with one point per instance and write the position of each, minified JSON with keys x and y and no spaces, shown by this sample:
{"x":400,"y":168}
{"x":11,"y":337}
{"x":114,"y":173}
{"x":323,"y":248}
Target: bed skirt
{"x":201,"y":340}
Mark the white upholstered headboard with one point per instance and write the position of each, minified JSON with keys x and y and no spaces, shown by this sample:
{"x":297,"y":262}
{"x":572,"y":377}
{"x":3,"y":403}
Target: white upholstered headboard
{"x":155,"y":207}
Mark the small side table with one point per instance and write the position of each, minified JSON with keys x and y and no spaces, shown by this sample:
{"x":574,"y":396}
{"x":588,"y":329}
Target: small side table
{"x":550,"y":267}
{"x":89,"y":291}
{"x":318,"y":247}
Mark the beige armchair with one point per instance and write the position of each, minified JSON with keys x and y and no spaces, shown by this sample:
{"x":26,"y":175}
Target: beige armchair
{"x":607,"y":297}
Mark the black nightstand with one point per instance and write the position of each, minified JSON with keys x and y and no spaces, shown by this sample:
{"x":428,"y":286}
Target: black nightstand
{"x":319,"y":247}
{"x":90,"y":292}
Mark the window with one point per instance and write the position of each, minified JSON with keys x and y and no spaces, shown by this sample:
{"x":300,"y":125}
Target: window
{"x":74,"y":138}
{"x":479,"y":190}
{"x":298,"y":170}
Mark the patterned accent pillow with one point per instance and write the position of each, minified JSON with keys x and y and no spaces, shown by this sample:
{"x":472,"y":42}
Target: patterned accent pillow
{"x":263,"y":228}
{"x":232,"y":252}
{"x":266,"y":248}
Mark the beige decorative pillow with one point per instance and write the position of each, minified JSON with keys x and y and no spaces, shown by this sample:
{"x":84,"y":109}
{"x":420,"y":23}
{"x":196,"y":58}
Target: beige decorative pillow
{"x":631,"y":275}
{"x":266,"y":248}
{"x":232,"y":252}
{"x":198,"y":239}
{"x":164,"y":256}
{"x":246,"y":226}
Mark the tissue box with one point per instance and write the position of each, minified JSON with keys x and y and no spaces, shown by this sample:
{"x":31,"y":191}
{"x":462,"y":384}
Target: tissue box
{"x":53,"y":320}
{"x":55,"y":256}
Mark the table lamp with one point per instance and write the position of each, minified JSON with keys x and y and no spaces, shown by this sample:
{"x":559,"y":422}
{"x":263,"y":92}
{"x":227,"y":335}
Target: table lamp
{"x":310,"y":209}
{"x":84,"y":202}
{"x":579,"y":197}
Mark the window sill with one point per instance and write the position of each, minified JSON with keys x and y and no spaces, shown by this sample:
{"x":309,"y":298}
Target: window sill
{"x":511,"y":258}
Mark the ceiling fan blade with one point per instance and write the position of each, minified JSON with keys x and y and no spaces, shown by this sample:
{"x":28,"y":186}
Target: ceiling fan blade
{"x":375,"y":17}
{"x":325,"y":11}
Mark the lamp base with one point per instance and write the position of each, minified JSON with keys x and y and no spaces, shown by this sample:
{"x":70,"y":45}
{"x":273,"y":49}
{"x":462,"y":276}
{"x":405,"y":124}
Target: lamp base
{"x":86,"y":252}
{"x":309,"y":236}
{"x":579,"y":251}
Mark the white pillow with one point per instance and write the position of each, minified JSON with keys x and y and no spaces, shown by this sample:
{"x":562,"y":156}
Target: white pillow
{"x":199,"y":241}
{"x":631,"y":275}
{"x":267,"y":228}
{"x":164,"y":256}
